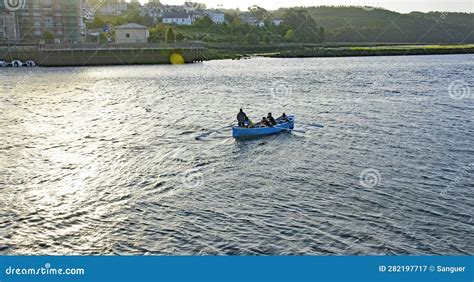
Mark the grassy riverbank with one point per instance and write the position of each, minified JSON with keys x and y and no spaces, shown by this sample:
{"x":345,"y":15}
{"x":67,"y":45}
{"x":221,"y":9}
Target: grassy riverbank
{"x":356,"y":51}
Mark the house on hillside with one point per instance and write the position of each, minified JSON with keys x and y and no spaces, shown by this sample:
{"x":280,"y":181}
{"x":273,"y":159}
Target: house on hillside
{"x":153,"y":9}
{"x":216,"y":17}
{"x":197,"y":14}
{"x":248,"y":18}
{"x":173,"y":8}
{"x":131,"y":33}
{"x":113,"y":9}
{"x":177,"y":18}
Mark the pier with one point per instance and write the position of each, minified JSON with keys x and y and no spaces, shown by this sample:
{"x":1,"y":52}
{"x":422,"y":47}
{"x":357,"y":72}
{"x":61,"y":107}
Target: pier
{"x":55,"y":55}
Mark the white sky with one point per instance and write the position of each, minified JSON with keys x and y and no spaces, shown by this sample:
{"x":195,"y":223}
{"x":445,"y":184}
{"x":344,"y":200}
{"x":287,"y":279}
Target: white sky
{"x":403,"y":6}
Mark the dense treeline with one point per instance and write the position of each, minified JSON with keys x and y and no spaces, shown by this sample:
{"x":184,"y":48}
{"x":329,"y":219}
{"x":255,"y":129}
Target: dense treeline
{"x":353,"y":24}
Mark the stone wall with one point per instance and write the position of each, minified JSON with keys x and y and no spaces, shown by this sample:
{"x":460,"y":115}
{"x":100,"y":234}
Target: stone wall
{"x":94,"y":57}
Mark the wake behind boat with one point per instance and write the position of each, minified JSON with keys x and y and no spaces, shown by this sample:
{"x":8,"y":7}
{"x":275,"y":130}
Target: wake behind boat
{"x":281,"y":126}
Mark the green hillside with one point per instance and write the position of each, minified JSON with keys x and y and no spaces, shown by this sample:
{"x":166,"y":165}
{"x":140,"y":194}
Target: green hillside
{"x":355,"y":24}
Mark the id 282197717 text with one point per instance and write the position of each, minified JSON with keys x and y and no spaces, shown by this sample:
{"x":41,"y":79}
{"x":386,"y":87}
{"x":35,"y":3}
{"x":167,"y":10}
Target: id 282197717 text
{"x":421,"y":268}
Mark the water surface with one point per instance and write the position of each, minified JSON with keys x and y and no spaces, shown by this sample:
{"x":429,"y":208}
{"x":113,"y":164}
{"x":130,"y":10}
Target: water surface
{"x":104,"y":160}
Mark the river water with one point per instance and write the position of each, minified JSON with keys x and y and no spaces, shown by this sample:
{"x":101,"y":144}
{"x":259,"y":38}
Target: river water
{"x":105,"y":160}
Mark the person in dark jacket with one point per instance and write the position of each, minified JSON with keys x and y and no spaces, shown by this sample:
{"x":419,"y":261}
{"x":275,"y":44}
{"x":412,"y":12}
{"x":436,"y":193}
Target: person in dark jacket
{"x":282,"y":119}
{"x":241,"y":118}
{"x":271,"y":120}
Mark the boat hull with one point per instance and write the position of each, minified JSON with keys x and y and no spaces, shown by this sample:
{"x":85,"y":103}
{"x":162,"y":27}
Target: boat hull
{"x":241,"y":132}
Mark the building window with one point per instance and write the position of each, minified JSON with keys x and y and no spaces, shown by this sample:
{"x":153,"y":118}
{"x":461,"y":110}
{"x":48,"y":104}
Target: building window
{"x":48,"y":22}
{"x":127,"y":35}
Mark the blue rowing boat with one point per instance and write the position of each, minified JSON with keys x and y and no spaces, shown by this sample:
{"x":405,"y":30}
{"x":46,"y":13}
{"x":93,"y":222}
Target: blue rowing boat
{"x":242,"y":132}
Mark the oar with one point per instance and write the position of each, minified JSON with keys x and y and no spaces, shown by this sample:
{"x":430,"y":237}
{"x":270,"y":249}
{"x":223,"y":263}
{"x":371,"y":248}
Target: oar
{"x":293,"y":130}
{"x":210,"y":132}
{"x":314,"y":125}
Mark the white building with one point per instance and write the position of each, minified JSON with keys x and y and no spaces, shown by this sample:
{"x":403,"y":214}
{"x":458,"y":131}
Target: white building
{"x":248,"y":18}
{"x":216,"y":17}
{"x":277,"y":22}
{"x":177,"y":18}
{"x":131,"y":33}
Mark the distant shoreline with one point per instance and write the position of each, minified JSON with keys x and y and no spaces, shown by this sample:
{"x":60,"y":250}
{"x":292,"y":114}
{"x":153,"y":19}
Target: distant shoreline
{"x":349,"y":51}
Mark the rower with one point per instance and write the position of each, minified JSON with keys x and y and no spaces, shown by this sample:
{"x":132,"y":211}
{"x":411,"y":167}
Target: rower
{"x":283,"y":118}
{"x":241,"y":117}
{"x":271,"y":120}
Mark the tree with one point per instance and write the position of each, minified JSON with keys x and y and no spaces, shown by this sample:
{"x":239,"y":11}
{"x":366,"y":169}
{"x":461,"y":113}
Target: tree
{"x":98,"y":22}
{"x":303,"y":25}
{"x":48,"y":35}
{"x":156,"y":32}
{"x":103,"y":37}
{"x":170,"y":32}
{"x":229,"y":17}
{"x":267,"y":38}
{"x":134,"y":16}
{"x":251,"y":38}
{"x":289,"y":35}
{"x":204,"y":22}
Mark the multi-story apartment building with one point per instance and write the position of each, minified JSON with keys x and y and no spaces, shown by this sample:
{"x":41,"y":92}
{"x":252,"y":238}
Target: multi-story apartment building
{"x":9,"y":29}
{"x":63,"y":19}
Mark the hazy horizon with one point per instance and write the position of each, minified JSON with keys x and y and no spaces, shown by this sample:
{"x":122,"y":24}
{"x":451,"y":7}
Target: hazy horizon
{"x":403,"y":6}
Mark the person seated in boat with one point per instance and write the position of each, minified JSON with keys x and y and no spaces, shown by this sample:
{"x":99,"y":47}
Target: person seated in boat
{"x":264,"y":122}
{"x":271,"y":120}
{"x":241,"y":117}
{"x":249,"y":123}
{"x":283,"y":118}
